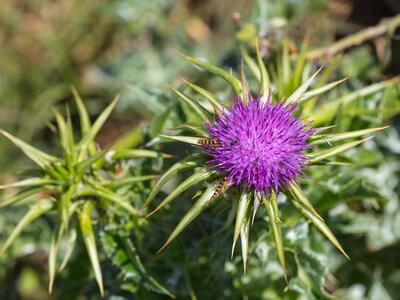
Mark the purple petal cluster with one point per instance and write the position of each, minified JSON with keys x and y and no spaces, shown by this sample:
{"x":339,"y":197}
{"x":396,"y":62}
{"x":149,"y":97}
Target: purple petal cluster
{"x":261,"y":146}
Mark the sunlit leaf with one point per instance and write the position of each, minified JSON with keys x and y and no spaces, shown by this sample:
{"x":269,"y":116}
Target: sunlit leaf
{"x":299,"y":195}
{"x":172,"y":171}
{"x":34,"y":212}
{"x":251,"y":63}
{"x":52,"y":259}
{"x":62,"y":130}
{"x":243,"y":205}
{"x":40,"y":158}
{"x":228,"y":77}
{"x":66,"y":198}
{"x":319,"y":223}
{"x":185,"y":139}
{"x":318,"y":91}
{"x":270,"y":204}
{"x":113,"y":197}
{"x":119,"y":182}
{"x":334,"y":137}
{"x":200,"y":111}
{"x":70,"y":246}
{"x":264,"y":78}
{"x":299,"y":92}
{"x":24,"y":195}
{"x":324,"y":154}
{"x":197,"y":208}
{"x":97,"y":125}
{"x":90,"y":243}
{"x":211,"y":98}
{"x":244,"y":239}
{"x":198,"y":176}
{"x":83,"y":166}
{"x":136,"y":153}
{"x":35,"y":181}
{"x":83,"y":114}
{"x":198,"y":130}
{"x":245,"y":87}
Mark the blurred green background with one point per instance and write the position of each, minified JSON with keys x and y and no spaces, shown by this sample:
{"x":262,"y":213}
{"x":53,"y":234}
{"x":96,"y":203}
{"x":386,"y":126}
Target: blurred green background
{"x":130,"y":47}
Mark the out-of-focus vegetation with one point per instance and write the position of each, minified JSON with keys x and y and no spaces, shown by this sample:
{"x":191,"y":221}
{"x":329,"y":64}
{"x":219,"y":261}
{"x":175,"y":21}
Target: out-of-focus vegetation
{"x":131,"y":47}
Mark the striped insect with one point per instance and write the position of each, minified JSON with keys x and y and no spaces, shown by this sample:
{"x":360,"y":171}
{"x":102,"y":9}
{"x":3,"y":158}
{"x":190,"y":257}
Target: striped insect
{"x":222,"y":186}
{"x":208,"y":142}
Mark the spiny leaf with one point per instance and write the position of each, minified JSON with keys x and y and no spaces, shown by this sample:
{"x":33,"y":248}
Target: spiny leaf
{"x":251,"y":64}
{"x":319,"y":130}
{"x":284,"y":69}
{"x":197,"y":177}
{"x":197,"y":208}
{"x":66,"y":198}
{"x":83,"y":114}
{"x":334,"y":137}
{"x":83,"y":166}
{"x":320,"y":224}
{"x":70,"y":136}
{"x":198,"y":130}
{"x":256,"y":205}
{"x":244,"y":239}
{"x":300,"y":64}
{"x":119,"y":182}
{"x":53,"y":255}
{"x":242,"y":209}
{"x":34,"y":212}
{"x":62,"y":130}
{"x":115,"y":198}
{"x":172,"y":171}
{"x":185,"y":139}
{"x":228,"y":77}
{"x":276,"y":229}
{"x":35,"y":181}
{"x":211,"y":98}
{"x":318,"y":91}
{"x":40,"y":158}
{"x":136,"y":153}
{"x":245,"y":86}
{"x":264,"y":78}
{"x":299,"y":92}
{"x":70,"y":244}
{"x":299,"y":195}
{"x":25,"y":195}
{"x":90,"y":243}
{"x":316,"y":157}
{"x":52,"y":260}
{"x":200,"y":111}
{"x":89,"y":137}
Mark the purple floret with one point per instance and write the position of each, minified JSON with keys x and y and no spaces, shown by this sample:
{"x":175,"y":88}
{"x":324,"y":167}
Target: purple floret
{"x":260,"y":146}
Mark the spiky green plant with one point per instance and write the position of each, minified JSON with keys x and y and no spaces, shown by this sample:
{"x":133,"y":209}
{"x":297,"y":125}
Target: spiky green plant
{"x":81,"y":187}
{"x":211,"y":132}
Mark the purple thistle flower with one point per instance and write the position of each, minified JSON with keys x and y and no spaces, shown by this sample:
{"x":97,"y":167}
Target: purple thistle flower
{"x":259,"y":146}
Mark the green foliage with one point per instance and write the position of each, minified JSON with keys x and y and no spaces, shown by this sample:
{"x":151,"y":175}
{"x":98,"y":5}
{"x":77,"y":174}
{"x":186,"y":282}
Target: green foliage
{"x":72,"y":186}
{"x":79,"y":213}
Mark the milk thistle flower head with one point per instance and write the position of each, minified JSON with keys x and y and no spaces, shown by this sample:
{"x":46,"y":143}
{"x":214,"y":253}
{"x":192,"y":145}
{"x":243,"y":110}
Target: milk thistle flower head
{"x":259,"y":146}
